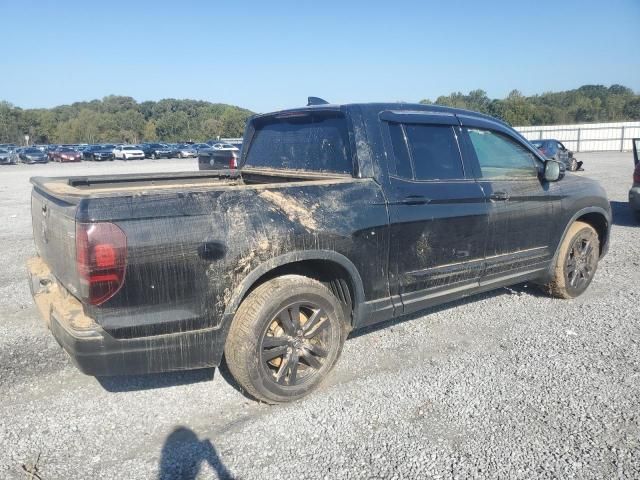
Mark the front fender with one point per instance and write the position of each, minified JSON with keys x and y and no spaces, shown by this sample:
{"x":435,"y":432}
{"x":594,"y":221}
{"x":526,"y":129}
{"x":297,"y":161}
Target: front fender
{"x":583,"y":211}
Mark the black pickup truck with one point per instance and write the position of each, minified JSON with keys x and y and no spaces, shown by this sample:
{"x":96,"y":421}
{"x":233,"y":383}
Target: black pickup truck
{"x":338,"y":217}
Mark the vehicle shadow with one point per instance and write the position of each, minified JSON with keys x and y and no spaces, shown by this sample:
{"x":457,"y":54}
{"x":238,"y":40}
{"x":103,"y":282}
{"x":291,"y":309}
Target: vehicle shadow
{"x":622,"y":215}
{"x":183,"y":454}
{"x":130,"y":383}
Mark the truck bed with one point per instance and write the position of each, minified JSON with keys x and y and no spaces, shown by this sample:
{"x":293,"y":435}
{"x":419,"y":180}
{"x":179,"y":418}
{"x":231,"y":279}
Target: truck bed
{"x":117,"y":185}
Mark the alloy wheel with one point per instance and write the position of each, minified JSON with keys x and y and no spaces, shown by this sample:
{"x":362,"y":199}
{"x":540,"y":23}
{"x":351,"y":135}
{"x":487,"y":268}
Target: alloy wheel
{"x":295,"y":344}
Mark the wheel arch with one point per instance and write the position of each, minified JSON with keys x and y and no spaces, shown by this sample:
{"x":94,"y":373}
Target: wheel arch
{"x":331,"y":268}
{"x":598,"y":218}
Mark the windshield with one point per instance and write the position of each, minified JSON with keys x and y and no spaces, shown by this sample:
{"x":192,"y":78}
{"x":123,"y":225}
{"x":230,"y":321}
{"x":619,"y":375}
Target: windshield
{"x":316,"y":141}
{"x":32,"y":150}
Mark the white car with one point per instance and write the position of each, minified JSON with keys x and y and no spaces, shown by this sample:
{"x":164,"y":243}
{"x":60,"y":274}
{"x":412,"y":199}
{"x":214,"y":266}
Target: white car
{"x":128,"y":152}
{"x":224,"y":146}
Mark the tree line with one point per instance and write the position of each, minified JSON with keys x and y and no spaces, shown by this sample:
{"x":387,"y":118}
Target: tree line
{"x":587,"y":104}
{"x":122,"y":119}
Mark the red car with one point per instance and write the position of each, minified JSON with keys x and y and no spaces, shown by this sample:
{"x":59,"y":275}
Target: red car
{"x":66,"y":155}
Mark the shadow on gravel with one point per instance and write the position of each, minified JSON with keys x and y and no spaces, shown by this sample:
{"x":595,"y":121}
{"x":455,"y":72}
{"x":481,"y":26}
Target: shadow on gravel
{"x":183,"y":454}
{"x":622,"y":215}
{"x":162,"y":380}
{"x":150,"y":381}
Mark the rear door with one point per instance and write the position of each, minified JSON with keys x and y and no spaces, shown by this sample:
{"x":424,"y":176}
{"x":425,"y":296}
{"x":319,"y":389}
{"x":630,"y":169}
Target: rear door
{"x":438,"y":213}
{"x":521,"y":205}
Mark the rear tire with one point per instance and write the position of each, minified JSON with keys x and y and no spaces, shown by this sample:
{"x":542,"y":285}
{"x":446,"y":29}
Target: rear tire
{"x":285,"y":338}
{"x":576,"y":263}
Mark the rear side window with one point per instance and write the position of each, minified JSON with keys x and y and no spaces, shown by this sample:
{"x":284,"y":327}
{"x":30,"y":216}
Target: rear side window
{"x":500,"y":156}
{"x":426,"y":152}
{"x":317,"y":141}
{"x":400,"y":151}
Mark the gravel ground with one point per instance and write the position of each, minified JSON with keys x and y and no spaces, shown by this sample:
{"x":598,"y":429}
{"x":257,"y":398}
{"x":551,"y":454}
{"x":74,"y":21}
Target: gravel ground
{"x":510,"y":383}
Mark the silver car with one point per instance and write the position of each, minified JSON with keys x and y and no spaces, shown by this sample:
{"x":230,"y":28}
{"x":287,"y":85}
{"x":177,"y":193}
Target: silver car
{"x":6,"y":158}
{"x":187,"y":151}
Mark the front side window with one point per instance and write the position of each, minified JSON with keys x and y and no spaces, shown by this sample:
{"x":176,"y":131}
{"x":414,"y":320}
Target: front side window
{"x":315,"y":141}
{"x":426,"y":152}
{"x":501,"y":157}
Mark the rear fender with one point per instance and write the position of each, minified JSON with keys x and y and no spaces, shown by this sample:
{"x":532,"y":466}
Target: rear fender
{"x":289,"y":258}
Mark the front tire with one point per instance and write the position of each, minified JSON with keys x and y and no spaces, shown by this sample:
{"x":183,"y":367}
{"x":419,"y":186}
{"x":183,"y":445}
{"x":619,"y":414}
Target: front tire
{"x":285,"y":338}
{"x":573,"y":165}
{"x":576,"y":263}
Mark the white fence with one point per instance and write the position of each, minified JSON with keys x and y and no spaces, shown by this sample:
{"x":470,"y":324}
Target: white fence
{"x":587,"y":137}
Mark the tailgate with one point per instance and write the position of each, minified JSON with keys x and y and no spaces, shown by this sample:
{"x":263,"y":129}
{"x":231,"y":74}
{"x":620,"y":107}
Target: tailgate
{"x":54,"y":233}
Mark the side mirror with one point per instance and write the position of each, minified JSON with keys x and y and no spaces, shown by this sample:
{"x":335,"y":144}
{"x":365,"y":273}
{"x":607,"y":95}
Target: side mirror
{"x":553,"y":171}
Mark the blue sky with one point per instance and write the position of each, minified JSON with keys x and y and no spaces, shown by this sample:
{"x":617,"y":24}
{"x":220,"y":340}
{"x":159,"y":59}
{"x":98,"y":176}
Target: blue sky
{"x":268,"y":55}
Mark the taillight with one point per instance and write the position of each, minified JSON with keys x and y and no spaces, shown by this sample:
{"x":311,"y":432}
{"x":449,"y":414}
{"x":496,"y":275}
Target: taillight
{"x":233,"y":161}
{"x":101,"y":259}
{"x":636,"y":174}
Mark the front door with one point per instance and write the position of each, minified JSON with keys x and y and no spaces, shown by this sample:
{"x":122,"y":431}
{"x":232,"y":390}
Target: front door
{"x":521,"y":205}
{"x":438,"y":213}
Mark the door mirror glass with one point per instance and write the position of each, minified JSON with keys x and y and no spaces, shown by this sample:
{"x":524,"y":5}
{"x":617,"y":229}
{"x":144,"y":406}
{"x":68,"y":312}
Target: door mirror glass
{"x":552,"y":171}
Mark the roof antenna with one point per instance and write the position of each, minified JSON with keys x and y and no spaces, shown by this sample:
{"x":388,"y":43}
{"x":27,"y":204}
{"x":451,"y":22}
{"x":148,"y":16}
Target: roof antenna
{"x":316,"y":101}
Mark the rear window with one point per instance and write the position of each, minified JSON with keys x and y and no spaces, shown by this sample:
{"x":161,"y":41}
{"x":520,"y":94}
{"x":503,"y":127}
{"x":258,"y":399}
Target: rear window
{"x":317,"y":141}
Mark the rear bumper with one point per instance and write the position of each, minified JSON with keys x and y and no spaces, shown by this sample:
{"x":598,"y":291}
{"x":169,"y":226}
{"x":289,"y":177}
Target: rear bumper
{"x":634,"y":198}
{"x":95,"y":352}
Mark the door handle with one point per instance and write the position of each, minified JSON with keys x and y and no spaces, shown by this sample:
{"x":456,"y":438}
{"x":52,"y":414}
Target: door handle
{"x":415,"y":200}
{"x":501,"y":196}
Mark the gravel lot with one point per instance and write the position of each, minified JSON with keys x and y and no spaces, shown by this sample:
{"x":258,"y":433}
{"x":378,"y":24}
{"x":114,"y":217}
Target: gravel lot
{"x":510,"y":383}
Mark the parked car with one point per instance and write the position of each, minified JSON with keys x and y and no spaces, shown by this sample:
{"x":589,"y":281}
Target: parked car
{"x":223,"y":146}
{"x":556,"y":150}
{"x":31,"y":155}
{"x":218,"y":159}
{"x":128,"y":152}
{"x":66,"y":154}
{"x":200,"y":146}
{"x":157,"y":150}
{"x":105,"y":152}
{"x":339,"y":217}
{"x":87,"y":153}
{"x":6,"y":157}
{"x":49,"y":151}
{"x":634,"y":193}
{"x":186,"y":151}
